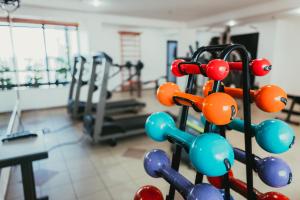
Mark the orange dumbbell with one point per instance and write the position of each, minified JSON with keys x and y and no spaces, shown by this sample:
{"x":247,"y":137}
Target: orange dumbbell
{"x":269,"y":98}
{"x":218,"y":108}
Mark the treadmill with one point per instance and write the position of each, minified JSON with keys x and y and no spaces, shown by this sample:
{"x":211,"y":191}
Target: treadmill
{"x":77,"y":108}
{"x":102,"y":127}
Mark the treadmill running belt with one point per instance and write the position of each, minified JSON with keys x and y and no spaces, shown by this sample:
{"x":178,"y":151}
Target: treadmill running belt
{"x":124,"y":124}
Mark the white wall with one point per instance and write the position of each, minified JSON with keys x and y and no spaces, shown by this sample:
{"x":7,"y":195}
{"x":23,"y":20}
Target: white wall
{"x":8,"y":100}
{"x":286,"y":58}
{"x":279,"y":42}
{"x":266,"y":45}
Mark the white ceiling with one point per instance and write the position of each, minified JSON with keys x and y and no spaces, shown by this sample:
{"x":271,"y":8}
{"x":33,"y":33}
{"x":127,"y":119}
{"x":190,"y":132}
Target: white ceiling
{"x":179,"y":10}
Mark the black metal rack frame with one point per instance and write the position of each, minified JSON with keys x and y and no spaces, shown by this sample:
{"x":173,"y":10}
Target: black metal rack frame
{"x":223,"y":53}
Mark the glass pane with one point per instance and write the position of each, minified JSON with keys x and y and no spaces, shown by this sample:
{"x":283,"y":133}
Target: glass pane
{"x":7,"y":77}
{"x":33,"y":78}
{"x":30,"y":51}
{"x":73,"y":43}
{"x":56,"y":48}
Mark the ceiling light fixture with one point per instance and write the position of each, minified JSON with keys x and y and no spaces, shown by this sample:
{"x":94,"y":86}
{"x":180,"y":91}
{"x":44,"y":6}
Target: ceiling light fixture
{"x":231,"y":23}
{"x":95,"y":3}
{"x":295,"y":11}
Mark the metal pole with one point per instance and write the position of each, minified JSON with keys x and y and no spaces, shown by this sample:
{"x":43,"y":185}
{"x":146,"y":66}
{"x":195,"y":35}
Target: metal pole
{"x":68,"y":47}
{"x":46,"y":53}
{"x":14,"y":55}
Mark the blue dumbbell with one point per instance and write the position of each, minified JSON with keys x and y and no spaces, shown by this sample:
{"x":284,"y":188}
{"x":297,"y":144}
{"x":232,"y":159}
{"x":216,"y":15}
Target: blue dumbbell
{"x":157,"y":164}
{"x":223,"y":194}
{"x":272,"y":171}
{"x":209,"y":153}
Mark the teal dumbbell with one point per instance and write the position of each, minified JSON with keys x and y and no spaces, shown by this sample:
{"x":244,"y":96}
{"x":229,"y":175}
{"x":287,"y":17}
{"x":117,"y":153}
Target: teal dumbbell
{"x":273,"y":135}
{"x":209,"y":153}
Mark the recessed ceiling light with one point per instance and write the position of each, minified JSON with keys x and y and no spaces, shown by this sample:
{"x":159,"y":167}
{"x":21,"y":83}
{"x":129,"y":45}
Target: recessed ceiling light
{"x":231,"y":23}
{"x":295,"y":11}
{"x":95,"y":3}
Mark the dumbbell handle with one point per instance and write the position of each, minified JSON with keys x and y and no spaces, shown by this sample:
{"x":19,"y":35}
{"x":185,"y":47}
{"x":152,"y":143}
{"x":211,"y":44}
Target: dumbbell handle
{"x":182,"y":184}
{"x":197,"y":68}
{"x":241,"y":188}
{"x":238,"y":125}
{"x":185,"y":99}
{"x":180,"y":136}
{"x":238,"y":93}
{"x":240,"y":156}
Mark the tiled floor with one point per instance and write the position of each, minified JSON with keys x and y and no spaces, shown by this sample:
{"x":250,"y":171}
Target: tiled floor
{"x":86,"y":171}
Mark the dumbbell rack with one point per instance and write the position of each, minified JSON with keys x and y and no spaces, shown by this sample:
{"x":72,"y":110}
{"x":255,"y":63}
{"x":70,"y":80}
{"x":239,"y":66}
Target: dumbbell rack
{"x":223,"y":51}
{"x":160,"y":126}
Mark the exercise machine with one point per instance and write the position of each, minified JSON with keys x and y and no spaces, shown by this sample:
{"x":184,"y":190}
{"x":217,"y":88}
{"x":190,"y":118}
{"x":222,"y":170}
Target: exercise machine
{"x":99,"y":125}
{"x":133,"y":81}
{"x":77,"y":108}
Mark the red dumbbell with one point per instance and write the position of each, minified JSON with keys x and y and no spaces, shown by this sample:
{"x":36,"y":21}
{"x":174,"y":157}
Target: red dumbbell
{"x":241,"y":188}
{"x":218,"y":69}
{"x":148,"y":192}
{"x":269,"y":98}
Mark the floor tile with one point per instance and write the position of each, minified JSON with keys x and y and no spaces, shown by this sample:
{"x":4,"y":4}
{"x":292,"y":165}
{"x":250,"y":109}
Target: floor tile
{"x":124,"y":191}
{"x":103,"y":195}
{"x":60,"y":179}
{"x":84,"y":173}
{"x":114,"y":175}
{"x":88,"y":186}
{"x":64,"y":192}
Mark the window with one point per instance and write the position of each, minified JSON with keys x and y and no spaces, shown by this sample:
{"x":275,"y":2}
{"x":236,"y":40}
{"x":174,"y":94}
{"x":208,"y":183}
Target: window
{"x":7,"y":72}
{"x":43,"y":52}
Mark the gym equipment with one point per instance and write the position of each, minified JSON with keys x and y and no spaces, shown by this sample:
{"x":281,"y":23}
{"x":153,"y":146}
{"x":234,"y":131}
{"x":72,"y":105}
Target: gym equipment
{"x":130,"y":79}
{"x":160,"y":127}
{"x":218,"y":108}
{"x":241,"y":188}
{"x":273,"y":135}
{"x":223,"y":194}
{"x":112,"y":107}
{"x":218,"y":69}
{"x":77,"y":108}
{"x":148,"y":192}
{"x":100,"y":126}
{"x":157,"y":164}
{"x":272,"y":171}
{"x":209,"y":153}
{"x":269,"y":98}
{"x":19,"y":135}
{"x":295,"y":100}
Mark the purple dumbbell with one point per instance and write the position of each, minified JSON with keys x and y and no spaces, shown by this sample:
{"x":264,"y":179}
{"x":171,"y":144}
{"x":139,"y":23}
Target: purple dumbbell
{"x":272,"y":171}
{"x":157,"y":164}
